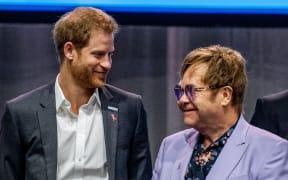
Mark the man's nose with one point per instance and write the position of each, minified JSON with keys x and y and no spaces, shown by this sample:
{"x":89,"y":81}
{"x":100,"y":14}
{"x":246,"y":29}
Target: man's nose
{"x":106,"y":62}
{"x":184,"y":98}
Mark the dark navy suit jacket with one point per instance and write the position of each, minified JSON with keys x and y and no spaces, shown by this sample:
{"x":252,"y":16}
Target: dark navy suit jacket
{"x":28,"y":137}
{"x":271,"y":113}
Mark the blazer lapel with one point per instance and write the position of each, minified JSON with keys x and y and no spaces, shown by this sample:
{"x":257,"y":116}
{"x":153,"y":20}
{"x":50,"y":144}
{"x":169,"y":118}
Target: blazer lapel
{"x":181,"y":165}
{"x":110,"y":122}
{"x":48,"y":129}
{"x":231,"y":153}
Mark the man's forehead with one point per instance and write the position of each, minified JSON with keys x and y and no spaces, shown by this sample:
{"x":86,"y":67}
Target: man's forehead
{"x":194,"y":73}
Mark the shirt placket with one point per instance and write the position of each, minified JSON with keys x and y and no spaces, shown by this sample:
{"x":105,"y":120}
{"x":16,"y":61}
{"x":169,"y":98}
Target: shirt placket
{"x":80,"y":145}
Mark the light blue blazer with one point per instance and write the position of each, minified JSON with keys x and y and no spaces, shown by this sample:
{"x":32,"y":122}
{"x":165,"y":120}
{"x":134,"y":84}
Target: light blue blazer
{"x":249,"y":154}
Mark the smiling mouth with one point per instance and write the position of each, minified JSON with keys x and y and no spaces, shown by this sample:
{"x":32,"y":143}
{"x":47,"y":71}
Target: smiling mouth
{"x":190,"y":110}
{"x":101,"y":72}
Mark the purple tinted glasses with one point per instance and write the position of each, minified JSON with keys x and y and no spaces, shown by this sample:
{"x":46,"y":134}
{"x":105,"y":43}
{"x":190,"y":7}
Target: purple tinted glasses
{"x":190,"y":91}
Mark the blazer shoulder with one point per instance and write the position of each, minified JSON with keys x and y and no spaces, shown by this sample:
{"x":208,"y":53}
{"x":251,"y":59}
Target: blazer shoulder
{"x":263,"y":136}
{"x":277,"y":97}
{"x":184,"y":135}
{"x":30,"y":97}
{"x":118,"y":92}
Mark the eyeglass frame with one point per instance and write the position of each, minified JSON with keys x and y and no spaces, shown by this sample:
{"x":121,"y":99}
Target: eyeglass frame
{"x":190,"y":91}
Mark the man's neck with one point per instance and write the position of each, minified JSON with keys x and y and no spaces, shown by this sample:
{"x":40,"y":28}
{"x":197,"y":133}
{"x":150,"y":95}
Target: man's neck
{"x":74,"y":93}
{"x":214,"y":132}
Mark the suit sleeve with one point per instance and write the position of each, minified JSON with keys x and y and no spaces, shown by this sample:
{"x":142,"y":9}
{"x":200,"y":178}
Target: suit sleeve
{"x":140,"y":165}
{"x":275,"y":166}
{"x":158,"y":162}
{"x":11,"y":152}
{"x":262,"y":119}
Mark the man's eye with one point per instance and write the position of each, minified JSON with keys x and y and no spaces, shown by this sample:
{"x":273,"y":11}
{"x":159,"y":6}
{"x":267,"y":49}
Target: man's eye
{"x":99,"y":55}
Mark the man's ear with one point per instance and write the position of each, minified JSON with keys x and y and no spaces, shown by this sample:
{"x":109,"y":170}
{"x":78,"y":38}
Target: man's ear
{"x":227,"y":94}
{"x":68,"y":50}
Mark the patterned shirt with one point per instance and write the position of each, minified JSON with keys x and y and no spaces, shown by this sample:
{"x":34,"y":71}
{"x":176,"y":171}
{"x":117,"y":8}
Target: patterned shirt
{"x":202,"y":159}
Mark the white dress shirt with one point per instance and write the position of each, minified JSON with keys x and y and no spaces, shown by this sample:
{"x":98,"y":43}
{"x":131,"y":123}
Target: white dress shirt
{"x":81,"y":148}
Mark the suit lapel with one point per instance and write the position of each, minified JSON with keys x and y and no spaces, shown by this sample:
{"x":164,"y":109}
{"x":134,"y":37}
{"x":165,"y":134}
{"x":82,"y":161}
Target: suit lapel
{"x":110,"y":122}
{"x":231,"y":154}
{"x":184,"y":156}
{"x":48,"y":129}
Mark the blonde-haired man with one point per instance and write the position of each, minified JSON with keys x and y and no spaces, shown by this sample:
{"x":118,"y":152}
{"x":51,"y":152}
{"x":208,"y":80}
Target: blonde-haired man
{"x":220,"y":144}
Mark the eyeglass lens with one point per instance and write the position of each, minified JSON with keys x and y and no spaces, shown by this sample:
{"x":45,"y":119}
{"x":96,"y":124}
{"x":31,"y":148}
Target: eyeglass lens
{"x":189,"y":91}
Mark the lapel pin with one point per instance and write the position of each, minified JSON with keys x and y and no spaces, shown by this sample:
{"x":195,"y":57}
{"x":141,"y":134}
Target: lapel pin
{"x":179,"y":165}
{"x":113,"y":116}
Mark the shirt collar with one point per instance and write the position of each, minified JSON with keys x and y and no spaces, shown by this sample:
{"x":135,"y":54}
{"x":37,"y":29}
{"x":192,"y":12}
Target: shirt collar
{"x":221,"y":141}
{"x":62,"y":101}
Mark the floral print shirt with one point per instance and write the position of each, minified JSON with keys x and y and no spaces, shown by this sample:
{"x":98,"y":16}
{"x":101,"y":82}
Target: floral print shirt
{"x":202,"y":159}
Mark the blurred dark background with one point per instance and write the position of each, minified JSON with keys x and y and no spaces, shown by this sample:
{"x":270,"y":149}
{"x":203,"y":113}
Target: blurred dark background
{"x":149,"y":50}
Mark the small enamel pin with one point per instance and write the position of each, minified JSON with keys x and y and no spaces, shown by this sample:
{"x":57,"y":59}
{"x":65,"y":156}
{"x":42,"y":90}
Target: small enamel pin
{"x":113,"y":112}
{"x":113,"y":117}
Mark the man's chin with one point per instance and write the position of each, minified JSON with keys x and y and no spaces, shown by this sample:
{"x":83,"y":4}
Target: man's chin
{"x":98,"y":84}
{"x":189,"y":122}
